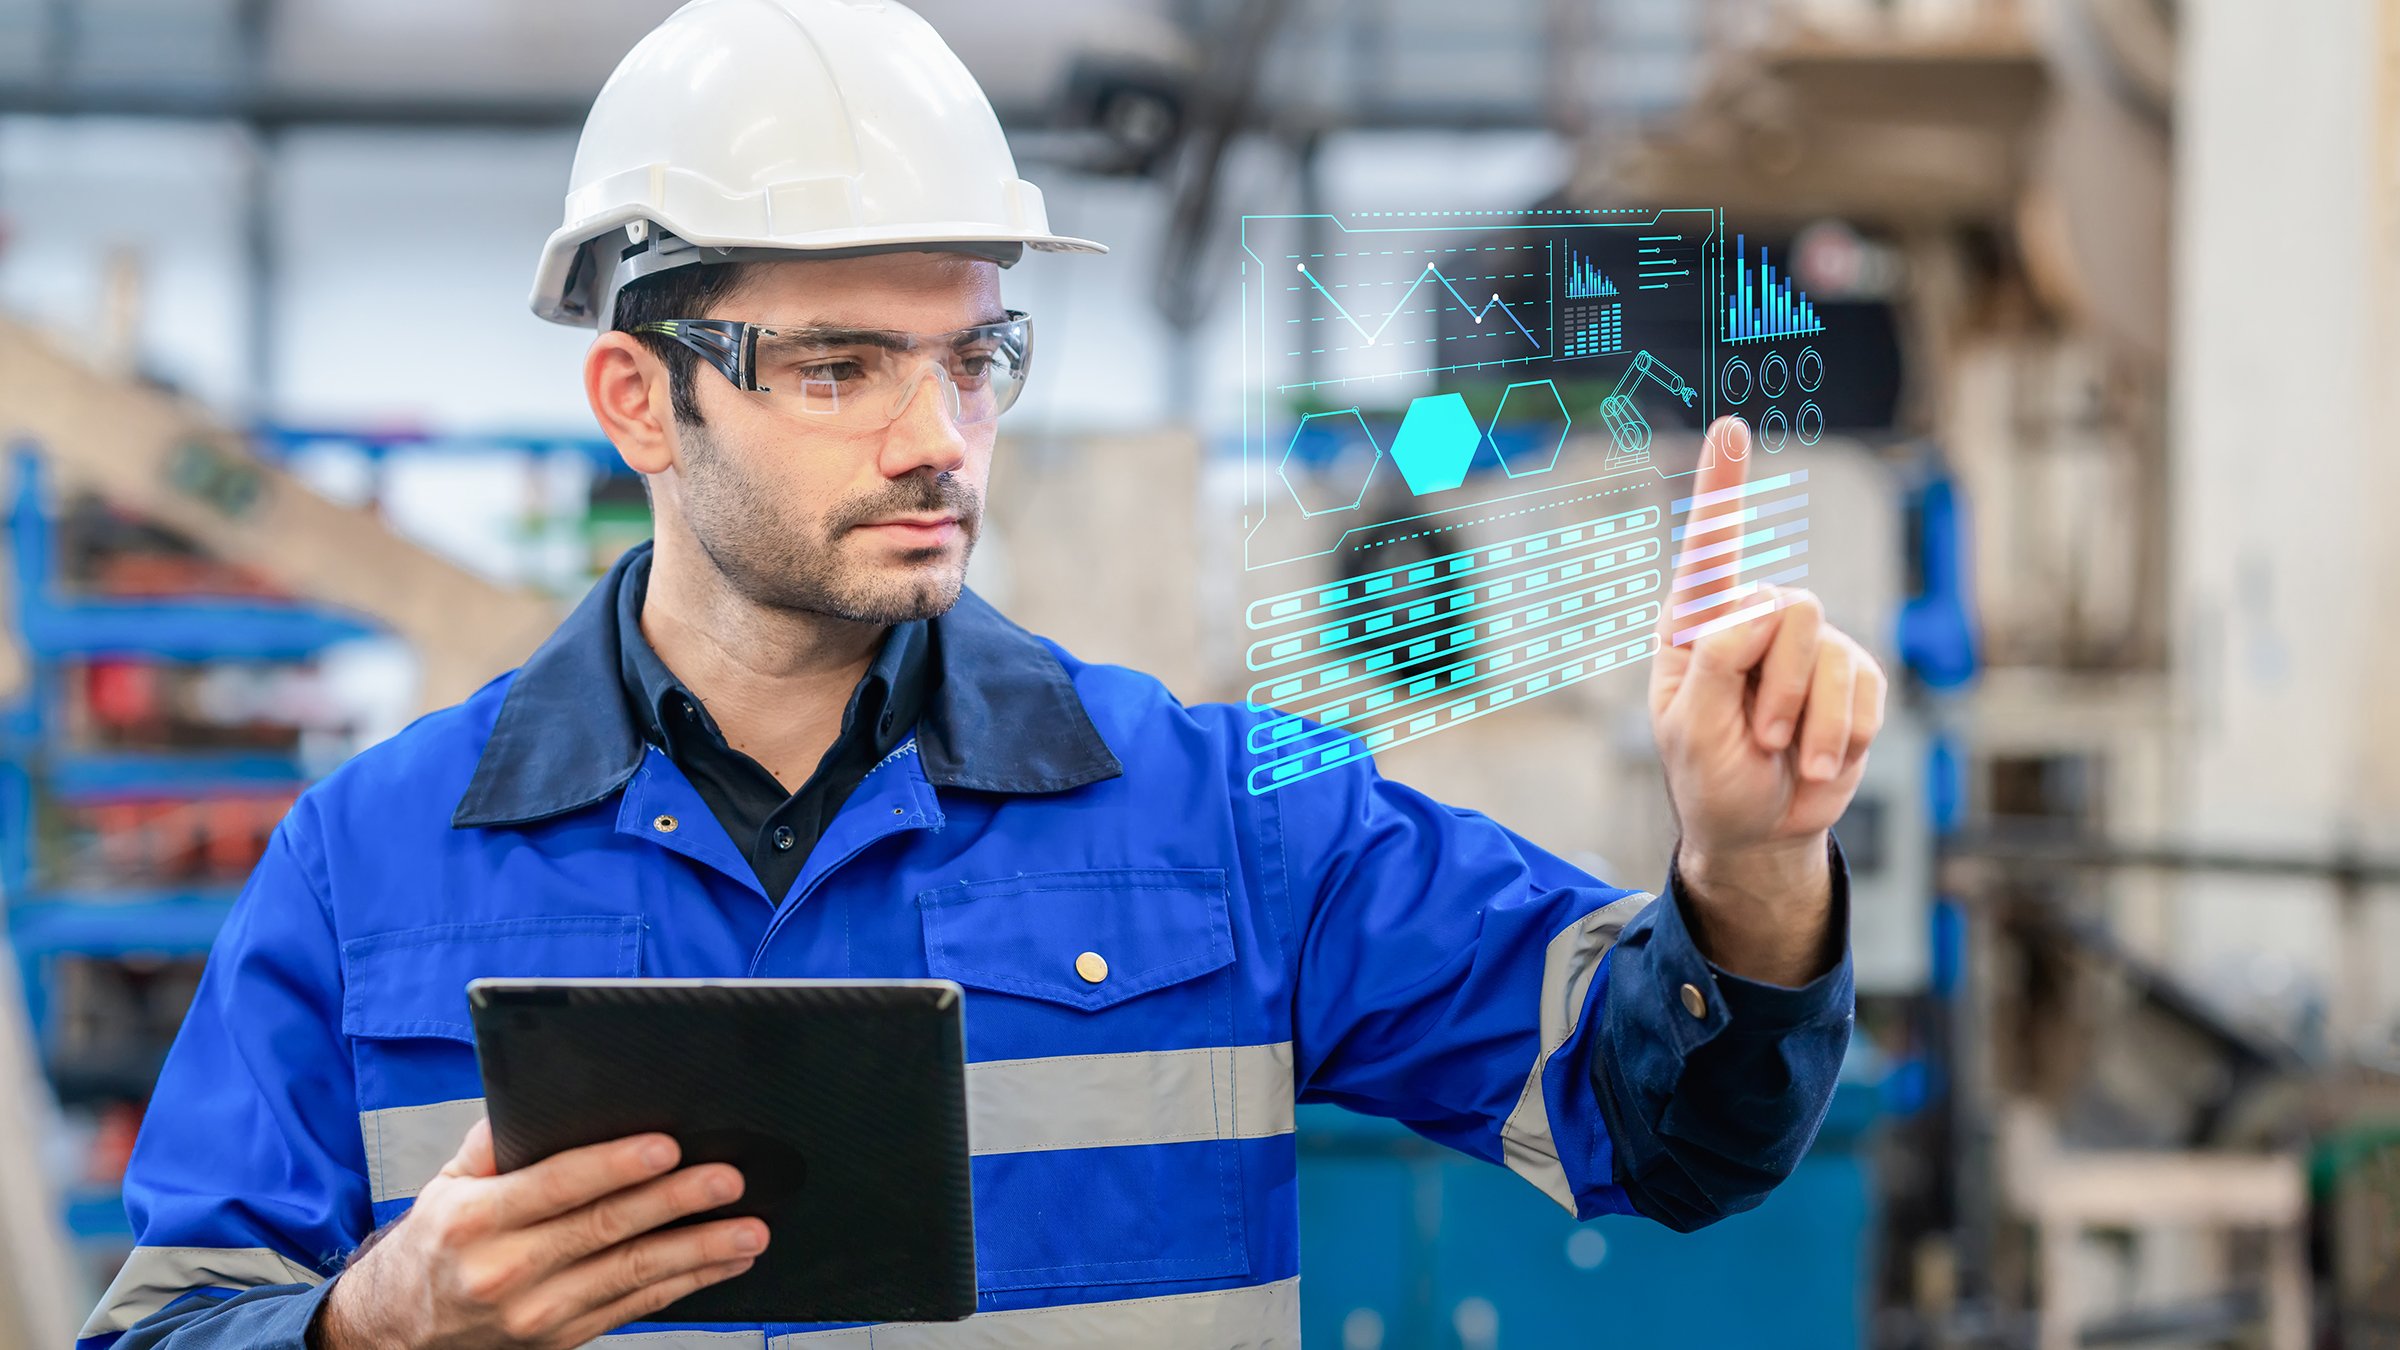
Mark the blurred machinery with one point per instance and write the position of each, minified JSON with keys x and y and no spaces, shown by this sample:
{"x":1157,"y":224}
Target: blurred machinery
{"x":2004,"y":176}
{"x":1104,"y":86}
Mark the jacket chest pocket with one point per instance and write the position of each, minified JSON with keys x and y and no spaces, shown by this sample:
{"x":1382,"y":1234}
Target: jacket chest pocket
{"x":1107,"y":1108}
{"x":404,"y":1008}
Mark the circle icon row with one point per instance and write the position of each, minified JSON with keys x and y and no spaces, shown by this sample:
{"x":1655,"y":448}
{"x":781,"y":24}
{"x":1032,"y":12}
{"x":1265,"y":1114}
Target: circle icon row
{"x":1776,"y":431}
{"x":1775,"y":376}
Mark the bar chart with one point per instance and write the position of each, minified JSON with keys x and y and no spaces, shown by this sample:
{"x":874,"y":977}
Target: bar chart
{"x":1764,"y":305}
{"x":1585,"y":281}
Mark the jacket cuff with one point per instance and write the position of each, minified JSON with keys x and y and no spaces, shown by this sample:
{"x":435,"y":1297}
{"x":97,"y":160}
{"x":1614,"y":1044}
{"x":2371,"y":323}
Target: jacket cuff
{"x":1699,"y":1132}
{"x":1683,"y":1000}
{"x":1756,"y":1006}
{"x":271,"y":1317}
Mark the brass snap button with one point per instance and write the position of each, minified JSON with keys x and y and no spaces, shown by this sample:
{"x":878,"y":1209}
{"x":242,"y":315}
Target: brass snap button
{"x":1693,"y":1003}
{"x":1091,"y":967}
{"x":665,"y":824}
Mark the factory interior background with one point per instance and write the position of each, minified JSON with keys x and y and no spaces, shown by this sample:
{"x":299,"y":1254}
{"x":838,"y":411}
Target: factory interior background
{"x":2103,"y":296}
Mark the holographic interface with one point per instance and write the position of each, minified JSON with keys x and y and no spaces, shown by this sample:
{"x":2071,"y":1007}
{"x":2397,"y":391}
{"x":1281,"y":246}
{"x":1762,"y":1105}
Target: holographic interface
{"x":1462,"y":443}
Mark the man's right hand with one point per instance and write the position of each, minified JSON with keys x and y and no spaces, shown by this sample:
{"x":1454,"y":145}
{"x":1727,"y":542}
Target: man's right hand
{"x":544,"y":1258}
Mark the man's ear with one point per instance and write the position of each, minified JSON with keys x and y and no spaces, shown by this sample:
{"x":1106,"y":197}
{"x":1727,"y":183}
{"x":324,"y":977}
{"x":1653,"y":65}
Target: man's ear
{"x":627,"y":386}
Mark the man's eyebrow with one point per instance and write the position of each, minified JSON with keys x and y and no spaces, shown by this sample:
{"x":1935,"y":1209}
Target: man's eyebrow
{"x":819,"y":335}
{"x":827,"y":335}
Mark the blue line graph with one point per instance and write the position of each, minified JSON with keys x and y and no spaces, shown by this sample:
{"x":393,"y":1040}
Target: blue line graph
{"x":1402,"y":307}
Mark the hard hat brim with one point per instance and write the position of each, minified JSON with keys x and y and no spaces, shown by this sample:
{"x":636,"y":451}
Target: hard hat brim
{"x":552,"y":300}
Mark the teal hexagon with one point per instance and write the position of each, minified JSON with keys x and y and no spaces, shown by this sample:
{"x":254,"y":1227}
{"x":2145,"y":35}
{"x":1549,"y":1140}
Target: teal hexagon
{"x":1344,"y":469}
{"x":1436,"y":442}
{"x":1518,"y":455}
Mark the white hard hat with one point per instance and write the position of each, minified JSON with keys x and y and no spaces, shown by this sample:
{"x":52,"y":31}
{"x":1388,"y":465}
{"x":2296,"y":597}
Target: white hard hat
{"x":741,"y":129}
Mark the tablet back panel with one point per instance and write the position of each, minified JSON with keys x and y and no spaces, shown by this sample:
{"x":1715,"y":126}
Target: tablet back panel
{"x":842,"y":1102}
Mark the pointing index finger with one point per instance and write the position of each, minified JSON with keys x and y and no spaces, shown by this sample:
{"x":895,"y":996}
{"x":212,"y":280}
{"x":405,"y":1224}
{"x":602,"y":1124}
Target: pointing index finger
{"x":1707,"y":540}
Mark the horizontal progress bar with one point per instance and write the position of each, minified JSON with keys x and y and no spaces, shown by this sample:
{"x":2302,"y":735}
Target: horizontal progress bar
{"x":1739,"y":591}
{"x":1721,"y":519}
{"x":1340,"y":747}
{"x":1392,"y":621}
{"x":1781,"y":480}
{"x":1400,"y":697}
{"x":1334,"y":674}
{"x":1765,"y":534}
{"x":1293,"y":605}
{"x":1476,"y":666}
{"x":1734,"y":567}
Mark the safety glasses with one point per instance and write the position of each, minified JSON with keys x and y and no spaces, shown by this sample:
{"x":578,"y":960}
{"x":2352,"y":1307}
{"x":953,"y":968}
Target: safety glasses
{"x":862,"y":379}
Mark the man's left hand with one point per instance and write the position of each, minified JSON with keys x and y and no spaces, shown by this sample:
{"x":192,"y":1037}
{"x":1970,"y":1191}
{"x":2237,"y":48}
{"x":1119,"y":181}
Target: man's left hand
{"x":1763,"y":713}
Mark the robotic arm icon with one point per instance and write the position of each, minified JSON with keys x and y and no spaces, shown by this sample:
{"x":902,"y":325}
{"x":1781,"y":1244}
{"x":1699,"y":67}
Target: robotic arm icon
{"x":1627,"y":428}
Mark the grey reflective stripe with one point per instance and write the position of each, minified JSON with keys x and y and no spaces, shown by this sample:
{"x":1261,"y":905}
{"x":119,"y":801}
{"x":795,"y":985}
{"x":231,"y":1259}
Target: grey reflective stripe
{"x":1569,"y":964}
{"x":1256,"y":1317}
{"x":407,"y":1145}
{"x":154,"y":1277}
{"x":1156,"y":1097}
{"x":1013,"y":1106}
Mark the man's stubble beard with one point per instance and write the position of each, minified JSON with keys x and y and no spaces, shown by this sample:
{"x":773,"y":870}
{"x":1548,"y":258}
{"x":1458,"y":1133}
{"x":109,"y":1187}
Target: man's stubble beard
{"x":796,"y":565}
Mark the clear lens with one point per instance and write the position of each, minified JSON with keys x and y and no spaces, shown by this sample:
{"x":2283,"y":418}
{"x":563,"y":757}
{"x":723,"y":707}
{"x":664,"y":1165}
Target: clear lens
{"x":864,"y":380}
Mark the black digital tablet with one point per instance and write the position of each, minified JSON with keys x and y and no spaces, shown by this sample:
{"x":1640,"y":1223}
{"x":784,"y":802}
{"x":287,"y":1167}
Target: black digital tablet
{"x":842,"y":1102}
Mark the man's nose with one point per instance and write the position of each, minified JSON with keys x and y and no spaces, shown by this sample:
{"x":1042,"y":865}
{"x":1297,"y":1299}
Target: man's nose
{"x":925,"y":430}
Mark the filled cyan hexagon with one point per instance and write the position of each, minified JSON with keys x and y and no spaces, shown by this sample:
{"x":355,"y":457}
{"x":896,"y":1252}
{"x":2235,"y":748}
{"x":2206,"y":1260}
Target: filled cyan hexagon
{"x":1537,"y":450}
{"x":1336,"y":456}
{"x":1436,"y":442}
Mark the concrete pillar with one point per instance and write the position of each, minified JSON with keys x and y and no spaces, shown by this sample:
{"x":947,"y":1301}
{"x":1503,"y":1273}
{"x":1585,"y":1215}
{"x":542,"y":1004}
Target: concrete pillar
{"x":2284,"y":464}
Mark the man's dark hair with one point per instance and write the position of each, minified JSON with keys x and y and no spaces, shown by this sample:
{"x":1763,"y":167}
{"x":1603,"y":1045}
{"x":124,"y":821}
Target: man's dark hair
{"x":687,"y":292}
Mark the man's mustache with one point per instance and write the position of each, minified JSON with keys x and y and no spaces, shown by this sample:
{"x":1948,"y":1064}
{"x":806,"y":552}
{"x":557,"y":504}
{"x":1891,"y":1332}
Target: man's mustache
{"x":942,"y":495}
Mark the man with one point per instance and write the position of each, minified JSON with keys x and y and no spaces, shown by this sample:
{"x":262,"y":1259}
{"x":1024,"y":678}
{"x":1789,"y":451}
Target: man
{"x":785,"y":741}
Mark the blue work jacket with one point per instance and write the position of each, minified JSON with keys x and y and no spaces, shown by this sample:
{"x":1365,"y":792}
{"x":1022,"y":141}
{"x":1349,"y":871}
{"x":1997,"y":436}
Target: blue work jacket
{"x":1344,"y":939}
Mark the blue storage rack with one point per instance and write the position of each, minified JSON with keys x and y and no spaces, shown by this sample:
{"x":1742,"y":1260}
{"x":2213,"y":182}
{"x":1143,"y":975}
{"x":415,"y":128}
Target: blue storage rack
{"x":47,"y":924}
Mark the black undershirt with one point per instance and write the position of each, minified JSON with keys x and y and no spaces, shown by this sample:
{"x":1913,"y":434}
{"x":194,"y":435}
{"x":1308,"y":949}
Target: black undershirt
{"x":773,"y":828}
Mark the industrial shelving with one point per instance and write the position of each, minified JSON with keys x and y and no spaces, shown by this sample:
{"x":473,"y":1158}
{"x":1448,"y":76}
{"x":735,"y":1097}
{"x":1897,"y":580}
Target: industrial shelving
{"x":55,"y":918}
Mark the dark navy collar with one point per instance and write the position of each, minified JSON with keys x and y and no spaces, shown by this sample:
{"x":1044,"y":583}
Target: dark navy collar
{"x":889,"y":697}
{"x":1005,"y":717}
